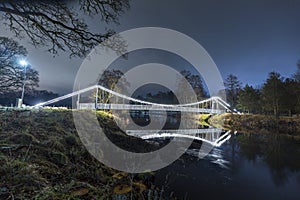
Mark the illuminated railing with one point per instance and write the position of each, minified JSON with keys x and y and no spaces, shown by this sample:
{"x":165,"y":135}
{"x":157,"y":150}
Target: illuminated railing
{"x":145,"y":105}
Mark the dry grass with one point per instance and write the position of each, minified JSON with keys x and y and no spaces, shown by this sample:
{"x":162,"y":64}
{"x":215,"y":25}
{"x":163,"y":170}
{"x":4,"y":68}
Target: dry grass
{"x":42,"y":157}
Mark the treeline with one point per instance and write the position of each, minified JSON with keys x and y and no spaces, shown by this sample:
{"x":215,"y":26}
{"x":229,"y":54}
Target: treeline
{"x":166,"y":97}
{"x":114,"y":79}
{"x":277,"y":95}
{"x":31,"y":97}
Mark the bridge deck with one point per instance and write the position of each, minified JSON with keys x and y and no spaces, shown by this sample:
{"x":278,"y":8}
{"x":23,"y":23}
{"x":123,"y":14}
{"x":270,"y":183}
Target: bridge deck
{"x":102,"y":106}
{"x":216,"y":104}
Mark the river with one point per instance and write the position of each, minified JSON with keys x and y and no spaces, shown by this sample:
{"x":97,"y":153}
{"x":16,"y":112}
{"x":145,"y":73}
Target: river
{"x":247,"y":166}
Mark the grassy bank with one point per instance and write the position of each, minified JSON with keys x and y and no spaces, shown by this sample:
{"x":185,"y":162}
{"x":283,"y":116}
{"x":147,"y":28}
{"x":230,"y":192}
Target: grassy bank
{"x":42,"y":157}
{"x":247,"y":123}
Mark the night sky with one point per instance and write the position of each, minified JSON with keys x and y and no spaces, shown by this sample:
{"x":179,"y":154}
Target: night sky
{"x":246,"y":38}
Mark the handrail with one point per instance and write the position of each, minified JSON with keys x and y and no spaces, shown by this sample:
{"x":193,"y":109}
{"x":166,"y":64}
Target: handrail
{"x":216,"y":99}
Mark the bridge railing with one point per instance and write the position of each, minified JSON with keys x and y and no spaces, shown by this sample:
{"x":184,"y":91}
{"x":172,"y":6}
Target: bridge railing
{"x":101,"y":106}
{"x":215,"y":103}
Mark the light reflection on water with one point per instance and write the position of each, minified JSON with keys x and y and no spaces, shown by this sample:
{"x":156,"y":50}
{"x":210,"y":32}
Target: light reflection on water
{"x":246,"y":166}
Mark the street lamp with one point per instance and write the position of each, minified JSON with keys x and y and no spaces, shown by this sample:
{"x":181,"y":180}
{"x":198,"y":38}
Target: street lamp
{"x":24,"y":64}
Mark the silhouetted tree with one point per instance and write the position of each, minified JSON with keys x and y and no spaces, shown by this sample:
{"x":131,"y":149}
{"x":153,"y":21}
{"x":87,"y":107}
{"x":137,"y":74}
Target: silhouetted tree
{"x":233,"y":87}
{"x":56,"y":24}
{"x":273,"y":93}
{"x":166,"y":97}
{"x":31,"y":97}
{"x":12,"y":74}
{"x":296,"y":88}
{"x":113,"y":80}
{"x":149,"y":97}
{"x":296,"y":75}
{"x":290,"y":99}
{"x":195,"y":82}
{"x":34,"y":97}
{"x":249,"y":99}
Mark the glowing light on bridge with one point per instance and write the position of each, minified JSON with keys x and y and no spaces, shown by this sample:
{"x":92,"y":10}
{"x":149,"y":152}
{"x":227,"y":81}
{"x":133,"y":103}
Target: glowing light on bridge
{"x":180,"y":107}
{"x":205,"y":135}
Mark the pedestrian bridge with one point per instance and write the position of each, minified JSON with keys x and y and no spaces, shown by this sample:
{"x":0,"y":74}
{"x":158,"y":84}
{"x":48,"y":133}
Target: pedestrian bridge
{"x":212,"y":105}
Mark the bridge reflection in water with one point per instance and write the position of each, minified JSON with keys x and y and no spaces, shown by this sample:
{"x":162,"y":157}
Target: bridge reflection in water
{"x":213,"y":136}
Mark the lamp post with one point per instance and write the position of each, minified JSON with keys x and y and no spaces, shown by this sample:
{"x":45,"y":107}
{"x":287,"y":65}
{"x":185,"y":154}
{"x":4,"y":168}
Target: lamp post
{"x":24,"y":64}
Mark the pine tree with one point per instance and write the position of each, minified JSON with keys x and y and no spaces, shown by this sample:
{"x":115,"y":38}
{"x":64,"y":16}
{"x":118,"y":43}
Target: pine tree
{"x":273,"y":93}
{"x":233,"y":87}
{"x":249,"y":99}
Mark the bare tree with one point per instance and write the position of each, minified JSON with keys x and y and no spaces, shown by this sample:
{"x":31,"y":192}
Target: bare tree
{"x":195,"y":82}
{"x":113,"y":80}
{"x":59,"y":25}
{"x":12,"y":75}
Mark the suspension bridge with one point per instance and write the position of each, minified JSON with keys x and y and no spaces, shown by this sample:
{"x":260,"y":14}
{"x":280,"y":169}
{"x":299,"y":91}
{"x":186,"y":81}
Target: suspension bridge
{"x":212,"y":105}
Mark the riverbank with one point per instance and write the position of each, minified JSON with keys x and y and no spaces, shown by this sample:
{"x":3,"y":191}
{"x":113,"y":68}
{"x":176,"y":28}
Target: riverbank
{"x":248,"y":123}
{"x":42,"y":157}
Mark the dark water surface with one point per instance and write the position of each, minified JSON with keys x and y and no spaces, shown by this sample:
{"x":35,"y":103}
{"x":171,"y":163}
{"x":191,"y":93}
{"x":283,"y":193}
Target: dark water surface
{"x":245,"y":167}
